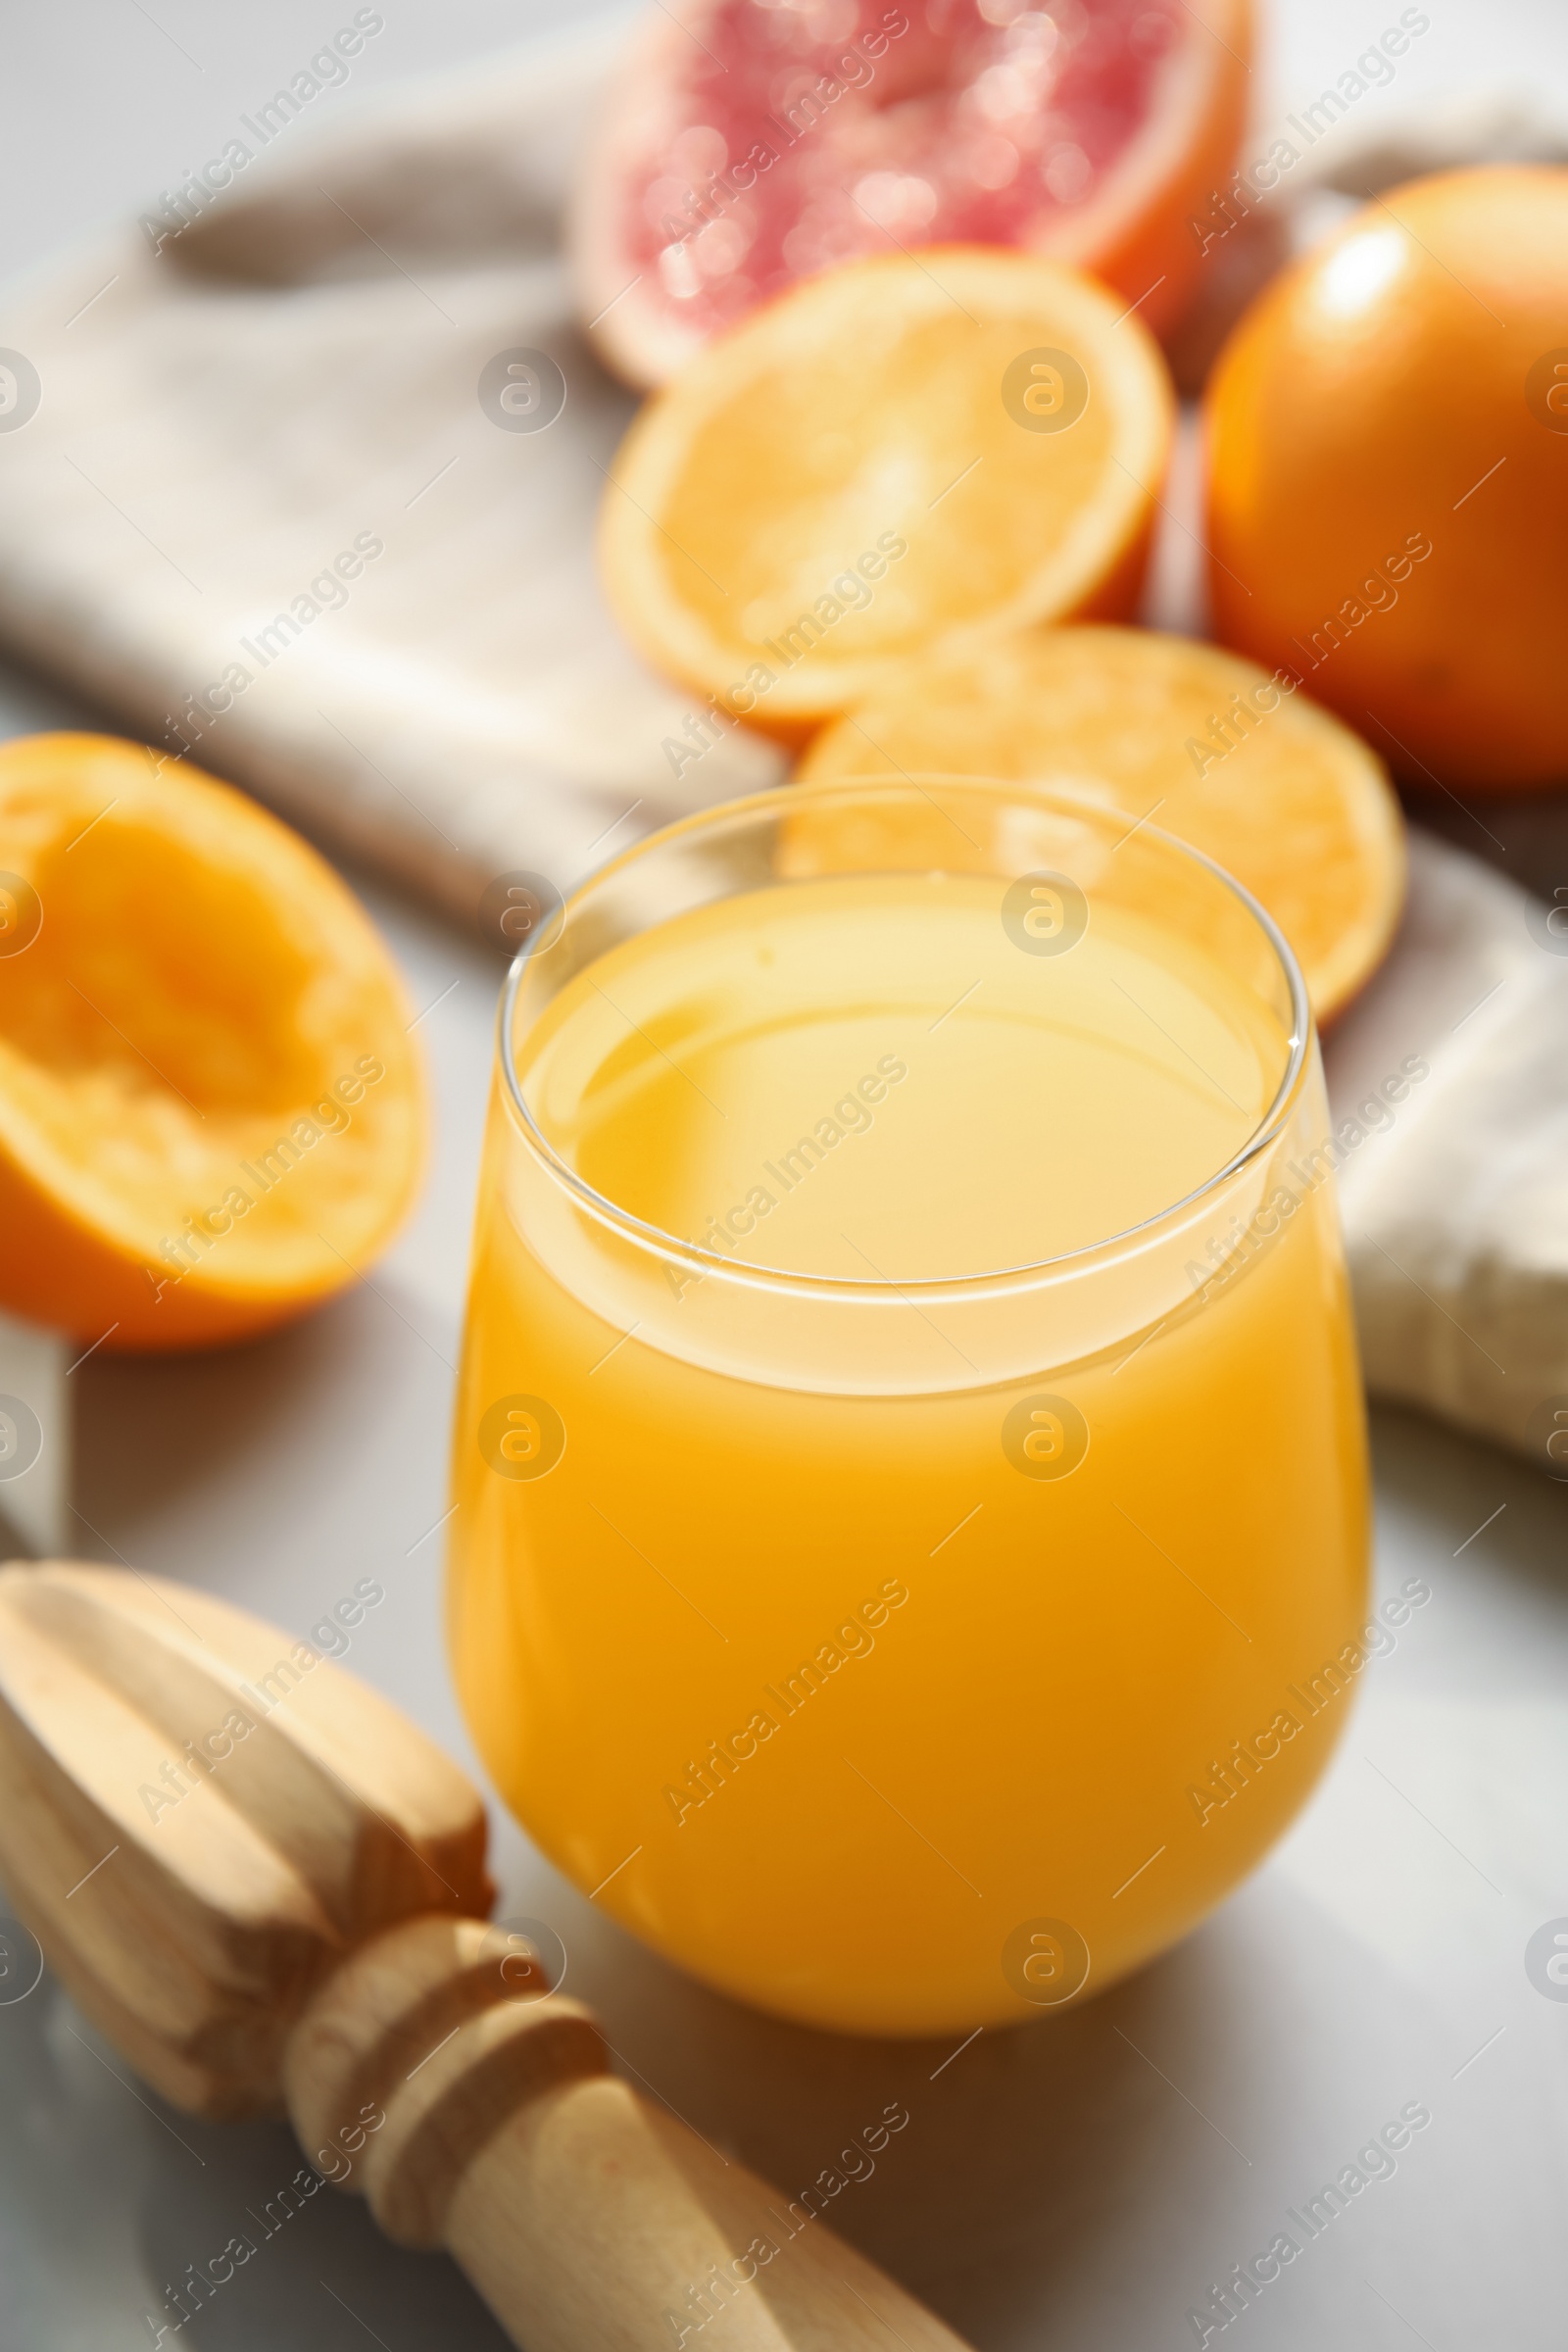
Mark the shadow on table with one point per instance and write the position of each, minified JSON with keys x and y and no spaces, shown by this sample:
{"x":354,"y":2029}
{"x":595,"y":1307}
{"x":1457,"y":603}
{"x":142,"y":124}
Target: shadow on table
{"x":157,"y":1433}
{"x":1479,"y":1502}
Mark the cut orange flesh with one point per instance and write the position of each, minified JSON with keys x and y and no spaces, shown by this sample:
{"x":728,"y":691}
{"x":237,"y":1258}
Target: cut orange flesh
{"x":210,"y":1113}
{"x":1204,"y":744}
{"x":902,"y":453}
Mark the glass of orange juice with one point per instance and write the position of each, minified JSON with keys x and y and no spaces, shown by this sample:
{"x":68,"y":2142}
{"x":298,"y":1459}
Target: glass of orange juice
{"x":911,"y":1528}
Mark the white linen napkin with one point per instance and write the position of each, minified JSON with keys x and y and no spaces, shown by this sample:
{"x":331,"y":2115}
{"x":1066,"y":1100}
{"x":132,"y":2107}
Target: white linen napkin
{"x":260,"y":501}
{"x":1455,"y":1197}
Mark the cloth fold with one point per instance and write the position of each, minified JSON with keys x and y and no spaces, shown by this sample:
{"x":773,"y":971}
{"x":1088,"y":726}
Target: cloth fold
{"x":1455,"y":1199}
{"x":261,"y":511}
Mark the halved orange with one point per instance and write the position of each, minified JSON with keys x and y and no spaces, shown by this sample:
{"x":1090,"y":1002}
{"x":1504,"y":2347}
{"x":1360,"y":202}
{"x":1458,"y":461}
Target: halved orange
{"x":932,"y":448}
{"x":211,"y":1111}
{"x":1201,"y":741}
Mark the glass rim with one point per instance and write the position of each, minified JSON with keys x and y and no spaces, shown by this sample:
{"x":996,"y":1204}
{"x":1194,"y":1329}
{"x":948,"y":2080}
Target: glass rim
{"x":672,"y":1247}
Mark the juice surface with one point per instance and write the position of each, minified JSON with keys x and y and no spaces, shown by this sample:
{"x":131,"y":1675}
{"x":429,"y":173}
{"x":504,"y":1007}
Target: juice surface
{"x":894,"y":1712}
{"x":876,"y":1060}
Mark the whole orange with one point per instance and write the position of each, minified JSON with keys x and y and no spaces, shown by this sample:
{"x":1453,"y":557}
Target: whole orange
{"x":1388,"y":502}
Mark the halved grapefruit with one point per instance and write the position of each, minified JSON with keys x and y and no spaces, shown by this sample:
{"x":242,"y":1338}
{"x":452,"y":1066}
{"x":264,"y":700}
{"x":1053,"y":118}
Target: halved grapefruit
{"x":746,"y":144}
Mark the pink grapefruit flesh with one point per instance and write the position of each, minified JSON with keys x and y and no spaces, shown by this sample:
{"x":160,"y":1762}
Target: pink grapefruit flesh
{"x":746,"y":145}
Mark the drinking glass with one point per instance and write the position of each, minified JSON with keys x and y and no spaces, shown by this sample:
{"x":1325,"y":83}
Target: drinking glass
{"x":910,"y":1528}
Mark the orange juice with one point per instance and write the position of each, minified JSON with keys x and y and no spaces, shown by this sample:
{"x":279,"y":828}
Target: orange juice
{"x":909,"y":1461}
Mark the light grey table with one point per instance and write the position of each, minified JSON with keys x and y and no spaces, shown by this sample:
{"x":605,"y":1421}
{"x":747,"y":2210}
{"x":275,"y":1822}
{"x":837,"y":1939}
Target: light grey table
{"x":1078,"y":2183}
{"x":1075,"y":2186}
